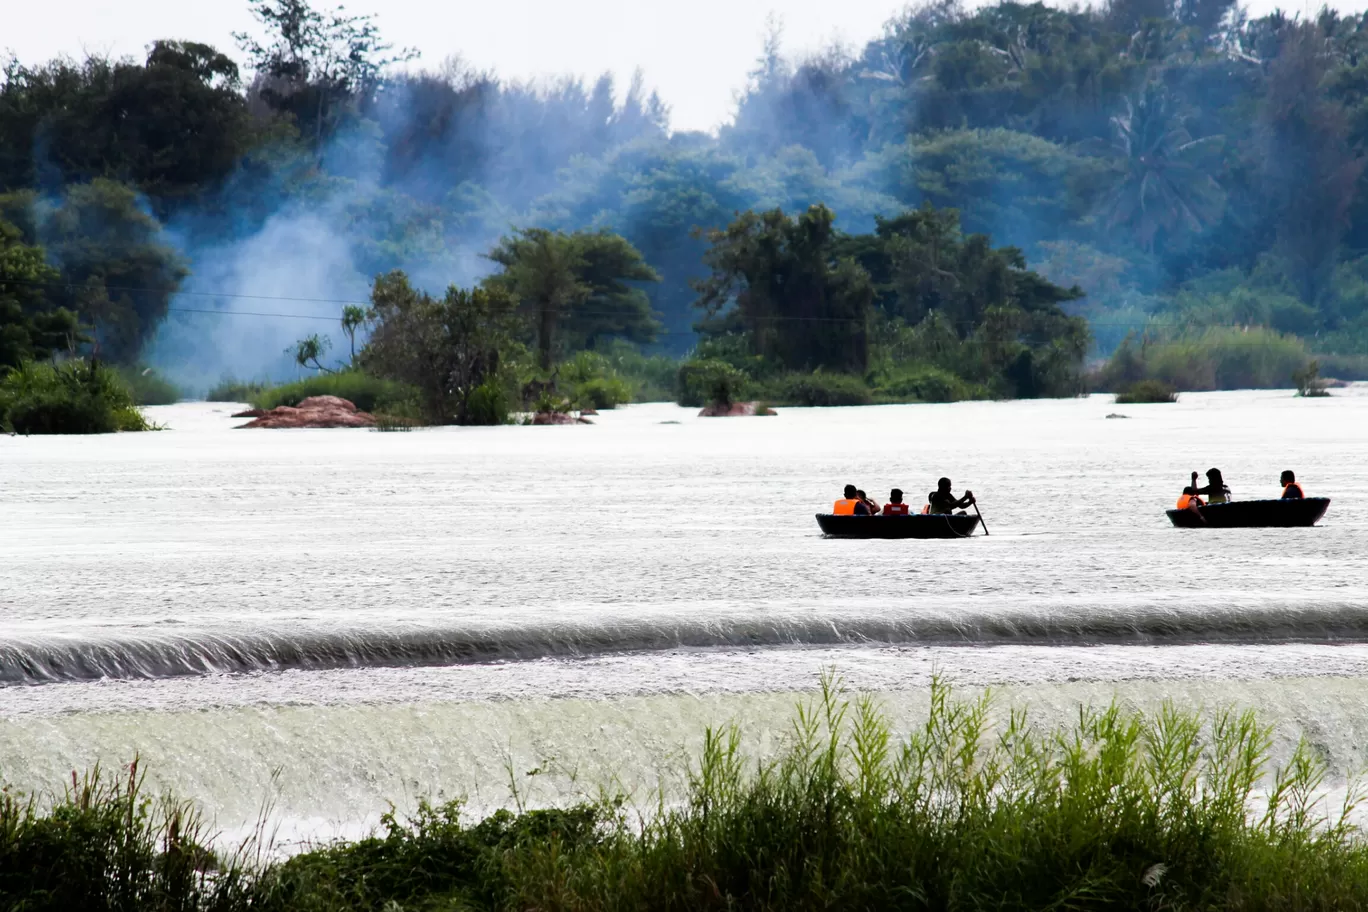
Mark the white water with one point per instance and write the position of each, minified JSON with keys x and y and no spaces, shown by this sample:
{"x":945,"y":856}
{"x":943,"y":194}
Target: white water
{"x":334,"y":619}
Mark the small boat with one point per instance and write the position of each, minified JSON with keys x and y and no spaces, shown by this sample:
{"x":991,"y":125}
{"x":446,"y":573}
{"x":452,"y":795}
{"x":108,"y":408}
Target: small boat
{"x":918,"y":525}
{"x":1253,"y":514}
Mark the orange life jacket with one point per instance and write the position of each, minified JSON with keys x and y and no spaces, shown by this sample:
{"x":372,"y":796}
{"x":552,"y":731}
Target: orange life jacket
{"x":1187,"y":500}
{"x":892,"y":509}
{"x":845,"y":507}
{"x":1297,"y":486}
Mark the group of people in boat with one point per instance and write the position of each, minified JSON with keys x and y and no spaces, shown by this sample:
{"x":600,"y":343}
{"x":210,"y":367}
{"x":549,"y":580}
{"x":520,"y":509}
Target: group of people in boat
{"x":855,"y":502}
{"x":1216,"y":492}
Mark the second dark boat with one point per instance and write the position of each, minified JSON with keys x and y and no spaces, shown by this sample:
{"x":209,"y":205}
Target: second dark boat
{"x":1253,"y":514}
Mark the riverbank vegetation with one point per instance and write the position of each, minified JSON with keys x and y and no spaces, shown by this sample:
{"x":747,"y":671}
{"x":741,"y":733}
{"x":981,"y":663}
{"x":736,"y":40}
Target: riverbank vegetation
{"x":1198,"y":175}
{"x":969,"y":810}
{"x":70,"y":397}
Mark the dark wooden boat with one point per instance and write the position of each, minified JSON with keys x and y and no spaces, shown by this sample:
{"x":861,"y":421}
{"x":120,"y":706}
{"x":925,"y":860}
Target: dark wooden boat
{"x":1253,"y":514}
{"x":917,"y":525}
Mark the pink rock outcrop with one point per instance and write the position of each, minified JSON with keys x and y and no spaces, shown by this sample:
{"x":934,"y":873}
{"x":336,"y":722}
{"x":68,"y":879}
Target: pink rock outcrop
{"x":558,"y":418}
{"x":314,"y":412}
{"x":735,"y":410}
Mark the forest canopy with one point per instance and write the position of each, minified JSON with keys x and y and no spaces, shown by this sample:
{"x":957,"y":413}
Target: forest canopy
{"x":963,"y":187}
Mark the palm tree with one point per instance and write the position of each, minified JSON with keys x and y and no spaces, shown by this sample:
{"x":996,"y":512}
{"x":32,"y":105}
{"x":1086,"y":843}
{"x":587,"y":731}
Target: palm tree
{"x":1165,"y":192}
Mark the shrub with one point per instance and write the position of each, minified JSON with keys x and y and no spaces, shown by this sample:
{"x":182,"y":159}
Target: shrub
{"x":591,"y":382}
{"x":148,"y":387}
{"x":927,"y":384}
{"x":488,"y":404}
{"x":75,"y":397}
{"x":1147,"y":391}
{"x":230,"y":389}
{"x":820,"y":389}
{"x":369,"y":394}
{"x":1214,"y":358}
{"x":1308,"y":381}
{"x":708,"y":382}
{"x":651,"y":377}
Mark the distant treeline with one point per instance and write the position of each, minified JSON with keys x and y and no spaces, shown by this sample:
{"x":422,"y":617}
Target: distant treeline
{"x":1189,"y":170}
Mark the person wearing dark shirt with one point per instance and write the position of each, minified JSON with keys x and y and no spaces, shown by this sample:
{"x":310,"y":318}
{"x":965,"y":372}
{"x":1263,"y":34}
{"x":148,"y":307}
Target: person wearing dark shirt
{"x":871,"y":505}
{"x":942,"y":500}
{"x":1215,"y":491}
{"x":1291,"y":490}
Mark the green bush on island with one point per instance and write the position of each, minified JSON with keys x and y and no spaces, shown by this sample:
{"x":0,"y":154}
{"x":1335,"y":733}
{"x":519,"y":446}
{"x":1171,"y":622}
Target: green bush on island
{"x":230,"y":389}
{"x":1161,"y":810}
{"x":1147,"y":391}
{"x":1208,"y":359}
{"x":924,"y":383}
{"x":367,"y":393}
{"x":590,"y":381}
{"x":710,"y":381}
{"x":817,"y":389}
{"x":71,"y":397}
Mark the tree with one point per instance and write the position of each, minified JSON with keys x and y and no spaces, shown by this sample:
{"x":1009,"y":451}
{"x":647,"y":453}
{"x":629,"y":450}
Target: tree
{"x":450,"y":348}
{"x":313,"y":63}
{"x":1164,"y":194}
{"x":118,"y":274}
{"x":784,"y":283}
{"x":575,"y":286}
{"x":30,"y":329}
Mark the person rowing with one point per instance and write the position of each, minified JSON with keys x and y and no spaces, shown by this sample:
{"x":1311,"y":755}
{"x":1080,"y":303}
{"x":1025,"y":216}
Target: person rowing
{"x":1215,"y":490}
{"x":943,"y":500}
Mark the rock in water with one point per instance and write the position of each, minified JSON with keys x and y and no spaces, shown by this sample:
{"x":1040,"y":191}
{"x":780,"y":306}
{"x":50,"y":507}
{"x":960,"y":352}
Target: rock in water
{"x":314,"y":412}
{"x":735,"y":410}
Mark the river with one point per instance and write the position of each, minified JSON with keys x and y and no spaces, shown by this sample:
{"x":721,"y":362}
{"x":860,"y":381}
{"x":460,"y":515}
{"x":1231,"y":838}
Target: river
{"x":329,"y":621}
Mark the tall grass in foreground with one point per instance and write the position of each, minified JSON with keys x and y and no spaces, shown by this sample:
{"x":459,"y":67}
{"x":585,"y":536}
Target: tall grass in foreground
{"x":1123,"y":810}
{"x":72,"y":397}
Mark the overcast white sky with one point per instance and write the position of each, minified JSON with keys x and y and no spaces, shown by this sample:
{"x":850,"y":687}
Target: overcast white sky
{"x":695,"y":52}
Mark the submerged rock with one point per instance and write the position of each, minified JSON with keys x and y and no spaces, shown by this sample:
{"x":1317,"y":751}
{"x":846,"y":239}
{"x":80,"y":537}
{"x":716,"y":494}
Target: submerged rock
{"x":1117,"y":415}
{"x":545,"y":418}
{"x":735,"y":410}
{"x":314,"y":412}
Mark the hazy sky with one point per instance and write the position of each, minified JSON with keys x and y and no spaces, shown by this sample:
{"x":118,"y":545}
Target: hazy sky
{"x":695,"y":52}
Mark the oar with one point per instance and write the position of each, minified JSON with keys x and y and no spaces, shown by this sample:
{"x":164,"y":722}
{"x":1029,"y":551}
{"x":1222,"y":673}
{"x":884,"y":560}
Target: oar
{"x":980,"y":516}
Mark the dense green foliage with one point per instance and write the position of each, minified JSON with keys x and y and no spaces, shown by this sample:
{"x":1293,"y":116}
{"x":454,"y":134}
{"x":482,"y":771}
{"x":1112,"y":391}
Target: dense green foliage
{"x":72,"y":397}
{"x":1164,"y":810}
{"x":1192,"y":171}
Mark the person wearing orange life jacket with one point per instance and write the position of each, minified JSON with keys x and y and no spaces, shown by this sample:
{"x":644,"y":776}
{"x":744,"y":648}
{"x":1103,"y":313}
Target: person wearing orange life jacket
{"x":1189,"y":500}
{"x":895,"y":505}
{"x":850,"y":504}
{"x":1291,"y":490}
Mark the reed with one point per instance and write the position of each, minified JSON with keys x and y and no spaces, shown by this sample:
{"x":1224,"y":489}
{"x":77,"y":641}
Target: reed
{"x":1166,"y":810}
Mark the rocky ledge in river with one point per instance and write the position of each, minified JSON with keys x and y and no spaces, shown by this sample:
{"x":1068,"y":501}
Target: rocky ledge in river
{"x":314,"y":412}
{"x":735,"y":410}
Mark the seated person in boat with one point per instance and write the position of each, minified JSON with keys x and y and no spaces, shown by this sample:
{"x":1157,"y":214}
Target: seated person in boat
{"x":895,"y":505}
{"x":851,"y":504}
{"x":1291,"y":490}
{"x":1216,"y":491}
{"x":872,"y":504}
{"x":942,"y":500}
{"x":1190,"y":500}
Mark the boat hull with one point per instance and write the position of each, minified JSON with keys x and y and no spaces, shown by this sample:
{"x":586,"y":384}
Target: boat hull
{"x":915,"y":526}
{"x":1253,"y":514}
